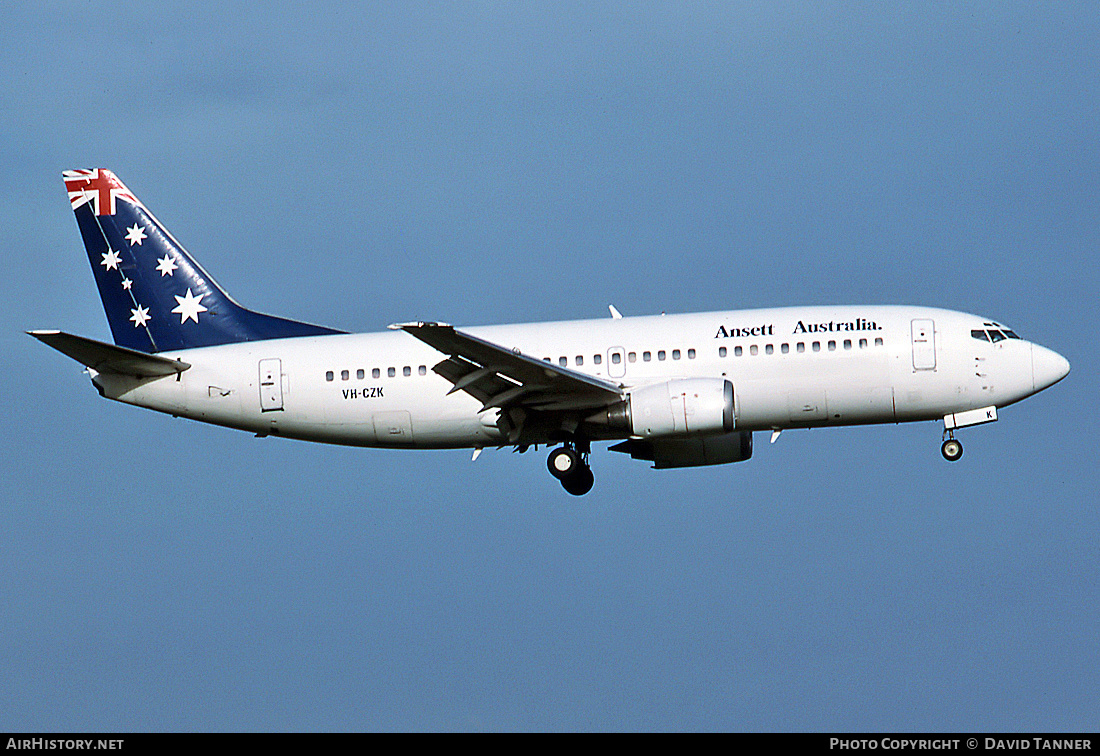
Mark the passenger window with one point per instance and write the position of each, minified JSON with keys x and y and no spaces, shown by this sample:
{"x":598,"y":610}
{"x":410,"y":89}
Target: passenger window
{"x":675,"y":354}
{"x":406,"y":371}
{"x":580,"y":360}
{"x":563,"y":361}
{"x":832,"y":346}
{"x":646,"y":356}
{"x":817,"y":346}
{"x":616,"y":358}
{"x":801,"y":347}
{"x":423,"y":370}
{"x":631,"y":357}
{"x":878,"y":341}
{"x":597,"y":358}
{"x":738,"y":351}
{"x":360,"y":373}
{"x":863,"y":343}
{"x":344,"y":375}
{"x":721,"y":351}
{"x":391,"y":372}
{"x":661,"y":355}
{"x":754,"y":350}
{"x":375,"y":373}
{"x":329,"y":376}
{"x":847,"y":343}
{"x":691,"y":354}
{"x":769,"y":349}
{"x":786,"y":348}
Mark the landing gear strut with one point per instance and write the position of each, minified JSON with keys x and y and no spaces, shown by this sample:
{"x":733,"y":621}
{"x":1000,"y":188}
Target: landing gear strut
{"x":951,"y":450}
{"x":570,"y":466}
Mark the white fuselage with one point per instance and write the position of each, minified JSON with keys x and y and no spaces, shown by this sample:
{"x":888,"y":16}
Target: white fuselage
{"x":790,"y":367}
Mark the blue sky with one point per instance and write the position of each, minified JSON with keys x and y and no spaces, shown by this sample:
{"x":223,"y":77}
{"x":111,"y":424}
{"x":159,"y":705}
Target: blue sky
{"x":484,"y":163}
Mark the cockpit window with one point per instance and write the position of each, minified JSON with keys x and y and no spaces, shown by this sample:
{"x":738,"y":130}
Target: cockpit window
{"x":998,"y":332}
{"x":993,"y":333}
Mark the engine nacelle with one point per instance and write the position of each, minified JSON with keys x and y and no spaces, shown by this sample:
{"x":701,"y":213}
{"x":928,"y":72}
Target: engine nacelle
{"x":690,"y":452}
{"x":681,"y":407}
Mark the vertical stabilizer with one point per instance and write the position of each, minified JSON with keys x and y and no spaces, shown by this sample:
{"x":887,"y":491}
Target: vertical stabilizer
{"x":156,"y":296}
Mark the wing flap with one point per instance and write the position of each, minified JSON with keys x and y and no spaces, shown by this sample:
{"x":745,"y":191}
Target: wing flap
{"x":477,"y":381}
{"x":109,"y":358}
{"x":501,"y":377}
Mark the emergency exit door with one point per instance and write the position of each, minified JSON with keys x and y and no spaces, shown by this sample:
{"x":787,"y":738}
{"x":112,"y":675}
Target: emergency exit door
{"x":616,"y":362}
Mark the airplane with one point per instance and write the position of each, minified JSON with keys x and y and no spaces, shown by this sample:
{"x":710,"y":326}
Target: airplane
{"x":678,"y":390}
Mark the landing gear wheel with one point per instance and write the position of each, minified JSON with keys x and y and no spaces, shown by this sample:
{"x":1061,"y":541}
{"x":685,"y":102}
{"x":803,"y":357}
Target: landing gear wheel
{"x":563,"y":463}
{"x":571,"y":467}
{"x":951,"y":450}
{"x":580,"y":482}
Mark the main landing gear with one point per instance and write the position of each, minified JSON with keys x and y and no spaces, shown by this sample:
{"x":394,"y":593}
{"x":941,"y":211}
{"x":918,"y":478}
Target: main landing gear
{"x":570,"y":465}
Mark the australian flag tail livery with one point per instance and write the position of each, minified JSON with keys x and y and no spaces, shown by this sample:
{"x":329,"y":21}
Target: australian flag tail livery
{"x":157,"y":298}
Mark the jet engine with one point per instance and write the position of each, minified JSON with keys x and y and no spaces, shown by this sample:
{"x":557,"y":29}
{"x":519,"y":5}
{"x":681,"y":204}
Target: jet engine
{"x":690,"y":452}
{"x":681,"y":407}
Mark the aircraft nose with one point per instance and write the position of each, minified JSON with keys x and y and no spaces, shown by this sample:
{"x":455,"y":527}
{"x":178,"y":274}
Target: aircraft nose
{"x":1047,"y":367}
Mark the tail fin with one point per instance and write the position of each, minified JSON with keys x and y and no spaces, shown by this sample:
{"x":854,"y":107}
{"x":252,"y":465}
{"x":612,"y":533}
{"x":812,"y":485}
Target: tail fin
{"x":147,"y":280}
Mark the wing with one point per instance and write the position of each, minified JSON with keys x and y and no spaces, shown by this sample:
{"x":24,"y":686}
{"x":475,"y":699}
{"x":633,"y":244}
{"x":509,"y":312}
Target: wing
{"x":508,"y":379}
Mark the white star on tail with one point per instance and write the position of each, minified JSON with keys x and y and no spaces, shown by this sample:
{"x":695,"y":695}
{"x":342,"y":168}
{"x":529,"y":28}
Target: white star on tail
{"x":135,"y":234}
{"x":189,"y":307}
{"x":166,"y":265}
{"x":140,"y":316}
{"x":127,"y":283}
{"x":111,"y":259}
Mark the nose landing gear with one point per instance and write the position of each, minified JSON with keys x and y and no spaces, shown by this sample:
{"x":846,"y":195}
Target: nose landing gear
{"x":951,"y":450}
{"x":570,"y":466}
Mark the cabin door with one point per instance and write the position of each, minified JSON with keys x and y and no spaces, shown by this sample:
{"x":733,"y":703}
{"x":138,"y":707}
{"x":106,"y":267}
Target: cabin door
{"x":271,"y":385}
{"x":924,"y":345}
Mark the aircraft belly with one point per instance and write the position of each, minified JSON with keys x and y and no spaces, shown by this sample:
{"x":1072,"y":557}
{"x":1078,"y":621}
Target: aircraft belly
{"x":213,"y":398}
{"x":397,"y":429}
{"x":383,"y":416}
{"x":804,"y":402}
{"x":807,"y":406}
{"x":853,"y":405}
{"x":930,"y":394}
{"x":761,"y":405}
{"x":163,"y":394}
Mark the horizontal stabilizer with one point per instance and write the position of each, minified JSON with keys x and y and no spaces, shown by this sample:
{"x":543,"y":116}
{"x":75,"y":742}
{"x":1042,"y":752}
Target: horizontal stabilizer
{"x":108,"y":358}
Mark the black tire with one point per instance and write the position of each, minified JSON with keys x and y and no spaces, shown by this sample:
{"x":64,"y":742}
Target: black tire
{"x":563,"y":463}
{"x":952,"y":450}
{"x":580,"y":482}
